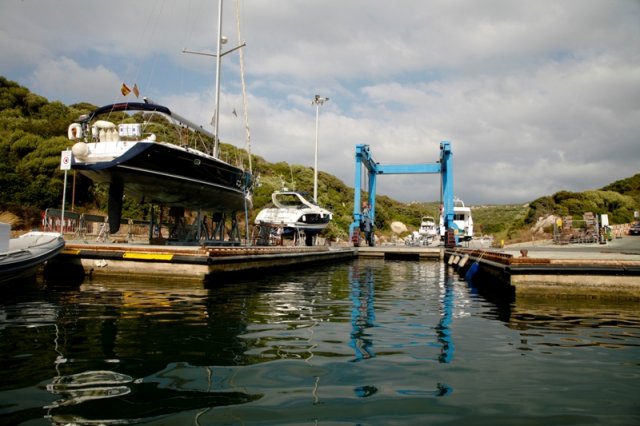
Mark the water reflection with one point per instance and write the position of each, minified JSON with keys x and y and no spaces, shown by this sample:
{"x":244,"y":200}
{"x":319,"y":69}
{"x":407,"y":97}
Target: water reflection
{"x":80,"y":388}
{"x":91,"y":398}
{"x":575,"y":323}
{"x":362,"y":285}
{"x":112,"y":338}
{"x":363,"y":317}
{"x":363,"y":342}
{"x":443,"y":329}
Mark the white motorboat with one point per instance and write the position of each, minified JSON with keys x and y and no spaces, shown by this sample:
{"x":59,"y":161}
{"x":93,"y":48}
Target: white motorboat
{"x":426,"y":233}
{"x":20,"y":257}
{"x":462,"y":220}
{"x":428,"y":227}
{"x":293,"y":213}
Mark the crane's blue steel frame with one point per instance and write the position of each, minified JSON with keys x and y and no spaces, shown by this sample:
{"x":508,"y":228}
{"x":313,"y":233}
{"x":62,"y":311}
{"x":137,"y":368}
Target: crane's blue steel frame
{"x":363,"y":156}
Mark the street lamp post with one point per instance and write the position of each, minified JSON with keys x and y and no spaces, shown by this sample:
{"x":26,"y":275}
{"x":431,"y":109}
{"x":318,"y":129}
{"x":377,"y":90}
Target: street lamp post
{"x":318,"y":101}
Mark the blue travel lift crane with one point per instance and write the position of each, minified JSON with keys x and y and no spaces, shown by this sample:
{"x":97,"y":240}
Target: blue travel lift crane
{"x":364,"y":218}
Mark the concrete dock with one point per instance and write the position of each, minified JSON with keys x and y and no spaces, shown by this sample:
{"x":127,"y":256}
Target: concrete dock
{"x":402,"y":252}
{"x":611,"y":269}
{"x":81,"y":259}
{"x":545,"y":269}
{"x":194,"y":263}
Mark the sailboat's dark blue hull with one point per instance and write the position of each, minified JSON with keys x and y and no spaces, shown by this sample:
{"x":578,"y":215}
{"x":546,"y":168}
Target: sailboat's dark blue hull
{"x":165,"y":174}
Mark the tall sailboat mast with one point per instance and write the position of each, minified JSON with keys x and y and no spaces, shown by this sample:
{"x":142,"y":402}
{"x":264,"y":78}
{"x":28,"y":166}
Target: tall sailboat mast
{"x":215,"y":121}
{"x":216,"y":113}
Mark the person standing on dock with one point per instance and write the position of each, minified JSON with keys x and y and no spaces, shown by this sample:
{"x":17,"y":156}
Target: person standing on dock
{"x":366,"y":225}
{"x":365,"y":209}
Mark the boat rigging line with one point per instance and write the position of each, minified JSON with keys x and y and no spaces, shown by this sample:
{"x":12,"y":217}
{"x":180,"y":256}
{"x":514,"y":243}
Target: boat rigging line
{"x":245,"y":110}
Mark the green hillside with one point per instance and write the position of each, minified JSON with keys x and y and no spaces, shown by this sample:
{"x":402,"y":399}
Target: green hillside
{"x":33,"y":133}
{"x":619,"y":199}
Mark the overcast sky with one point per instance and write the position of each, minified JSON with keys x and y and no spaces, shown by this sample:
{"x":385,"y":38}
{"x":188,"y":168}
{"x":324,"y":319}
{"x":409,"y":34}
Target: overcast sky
{"x":534,"y":96}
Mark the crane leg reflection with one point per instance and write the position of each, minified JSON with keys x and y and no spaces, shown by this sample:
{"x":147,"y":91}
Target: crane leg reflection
{"x":362,"y":279}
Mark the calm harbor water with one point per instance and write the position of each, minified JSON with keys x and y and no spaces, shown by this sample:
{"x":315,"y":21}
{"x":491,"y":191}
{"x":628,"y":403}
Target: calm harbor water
{"x":368,"y":342}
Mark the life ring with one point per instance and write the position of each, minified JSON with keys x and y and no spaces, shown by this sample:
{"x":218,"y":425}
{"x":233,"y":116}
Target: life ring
{"x":74,"y":132}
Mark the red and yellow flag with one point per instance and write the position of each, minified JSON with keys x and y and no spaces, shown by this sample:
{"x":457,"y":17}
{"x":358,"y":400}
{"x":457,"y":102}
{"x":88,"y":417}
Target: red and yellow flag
{"x":125,"y":89}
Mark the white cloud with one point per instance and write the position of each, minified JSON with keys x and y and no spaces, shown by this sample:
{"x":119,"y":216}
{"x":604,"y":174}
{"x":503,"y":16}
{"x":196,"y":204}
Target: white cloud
{"x":63,"y":78}
{"x":535,"y":97}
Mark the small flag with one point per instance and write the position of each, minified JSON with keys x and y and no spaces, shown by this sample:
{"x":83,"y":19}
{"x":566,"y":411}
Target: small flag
{"x":125,"y":90}
{"x":136,"y":91}
{"x":234,"y":112}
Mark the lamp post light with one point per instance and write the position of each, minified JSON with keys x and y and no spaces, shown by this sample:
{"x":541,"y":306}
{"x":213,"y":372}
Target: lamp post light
{"x":318,"y":101}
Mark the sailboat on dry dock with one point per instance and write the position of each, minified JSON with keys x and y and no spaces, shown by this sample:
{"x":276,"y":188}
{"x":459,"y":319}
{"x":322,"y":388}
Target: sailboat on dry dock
{"x":126,"y":153}
{"x":148,"y":152}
